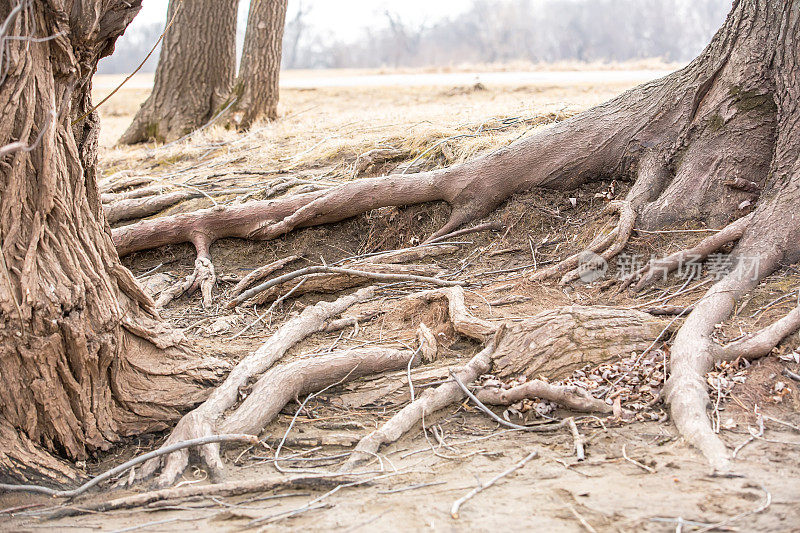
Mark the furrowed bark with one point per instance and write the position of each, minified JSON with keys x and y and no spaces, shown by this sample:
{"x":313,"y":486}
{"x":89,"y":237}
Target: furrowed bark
{"x":83,"y":359}
{"x":194,"y":74}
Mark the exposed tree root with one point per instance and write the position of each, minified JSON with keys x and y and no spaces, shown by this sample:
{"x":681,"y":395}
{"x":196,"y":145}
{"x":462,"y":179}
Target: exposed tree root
{"x":662,"y":267}
{"x":261,"y":273}
{"x":571,"y":397}
{"x":430,"y":401}
{"x":326,"y":279}
{"x":231,"y":488}
{"x":135,"y":208}
{"x":557,"y":342}
{"x":694,"y":352}
{"x":283,"y":383}
{"x":581,"y":264}
{"x":139,"y":192}
{"x":113,"y":186}
{"x":203,"y":276}
{"x":202,"y":421}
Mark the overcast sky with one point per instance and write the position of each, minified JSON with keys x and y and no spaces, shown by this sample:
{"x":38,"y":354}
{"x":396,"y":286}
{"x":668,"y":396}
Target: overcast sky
{"x":341,"y":19}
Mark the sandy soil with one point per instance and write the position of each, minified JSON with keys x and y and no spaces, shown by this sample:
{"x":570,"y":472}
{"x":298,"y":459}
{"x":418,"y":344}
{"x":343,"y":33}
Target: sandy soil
{"x":321,"y":137}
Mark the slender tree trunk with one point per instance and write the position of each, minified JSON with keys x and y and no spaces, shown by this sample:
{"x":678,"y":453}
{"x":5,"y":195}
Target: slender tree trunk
{"x":195,"y":71}
{"x":256,"y":90}
{"x":83,"y":357}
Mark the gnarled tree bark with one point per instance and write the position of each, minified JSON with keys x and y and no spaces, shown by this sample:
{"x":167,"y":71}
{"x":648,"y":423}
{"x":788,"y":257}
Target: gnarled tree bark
{"x":84,"y":359}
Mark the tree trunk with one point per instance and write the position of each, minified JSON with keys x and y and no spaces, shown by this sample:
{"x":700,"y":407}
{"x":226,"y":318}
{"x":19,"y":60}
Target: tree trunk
{"x":256,"y":90}
{"x":83,"y":357}
{"x":195,"y":71}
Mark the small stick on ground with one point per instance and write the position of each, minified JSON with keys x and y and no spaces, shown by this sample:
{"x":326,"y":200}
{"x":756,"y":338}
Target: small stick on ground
{"x":488,"y":226}
{"x":635,"y":462}
{"x":459,"y":502}
{"x":753,"y":434}
{"x":576,"y":436}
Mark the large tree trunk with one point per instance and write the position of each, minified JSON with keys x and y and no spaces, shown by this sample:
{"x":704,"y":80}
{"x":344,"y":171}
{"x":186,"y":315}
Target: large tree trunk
{"x":256,"y":89}
{"x":83,"y":357}
{"x":195,"y":71}
{"x":710,"y":143}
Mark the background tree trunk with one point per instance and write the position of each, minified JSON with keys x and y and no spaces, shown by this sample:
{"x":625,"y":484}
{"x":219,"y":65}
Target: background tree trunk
{"x":256,"y":87}
{"x":83,"y":357}
{"x":195,"y":72}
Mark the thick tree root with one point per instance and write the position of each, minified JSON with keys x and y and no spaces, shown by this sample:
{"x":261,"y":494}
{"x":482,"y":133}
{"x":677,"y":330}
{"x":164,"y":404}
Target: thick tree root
{"x":662,"y":267}
{"x":559,"y":341}
{"x":202,"y":421}
{"x":324,"y":279}
{"x":284,"y":383}
{"x":570,"y":397}
{"x":694,"y":353}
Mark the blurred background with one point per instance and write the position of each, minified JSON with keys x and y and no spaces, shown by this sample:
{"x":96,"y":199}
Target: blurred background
{"x":441,"y":34}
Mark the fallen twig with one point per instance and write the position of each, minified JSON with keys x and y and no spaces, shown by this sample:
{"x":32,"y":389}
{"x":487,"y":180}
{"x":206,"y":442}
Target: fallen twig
{"x":576,"y":436}
{"x":459,"y":502}
{"x":757,"y":434}
{"x":635,"y":462}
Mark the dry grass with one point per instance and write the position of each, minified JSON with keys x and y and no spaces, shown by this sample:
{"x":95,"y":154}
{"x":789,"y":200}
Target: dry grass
{"x":329,"y":128}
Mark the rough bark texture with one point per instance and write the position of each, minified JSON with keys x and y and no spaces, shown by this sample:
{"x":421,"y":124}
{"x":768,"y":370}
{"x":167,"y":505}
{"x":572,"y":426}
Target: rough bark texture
{"x":555,"y":343}
{"x":83,"y":359}
{"x":195,"y":71}
{"x":256,"y":90}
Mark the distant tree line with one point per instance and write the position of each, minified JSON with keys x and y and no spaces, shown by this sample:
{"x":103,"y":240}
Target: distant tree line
{"x":495,"y":31}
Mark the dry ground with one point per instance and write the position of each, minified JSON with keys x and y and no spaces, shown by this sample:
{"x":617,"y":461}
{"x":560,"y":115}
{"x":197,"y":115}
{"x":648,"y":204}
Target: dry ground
{"x":329,"y":135}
